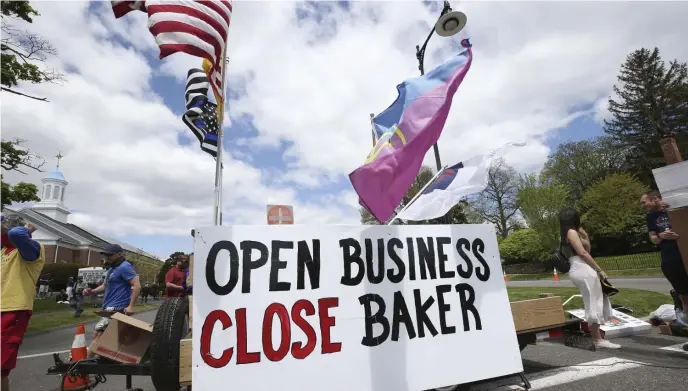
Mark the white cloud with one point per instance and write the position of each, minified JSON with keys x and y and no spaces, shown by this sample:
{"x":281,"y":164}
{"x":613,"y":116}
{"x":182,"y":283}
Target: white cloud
{"x":537,"y":66}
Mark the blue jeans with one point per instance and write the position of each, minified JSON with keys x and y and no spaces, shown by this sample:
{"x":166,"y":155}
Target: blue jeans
{"x":77,"y":304}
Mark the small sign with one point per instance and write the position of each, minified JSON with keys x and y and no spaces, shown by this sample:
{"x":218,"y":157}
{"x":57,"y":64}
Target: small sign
{"x":343,"y":308}
{"x":620,"y":325}
{"x":280,"y":214}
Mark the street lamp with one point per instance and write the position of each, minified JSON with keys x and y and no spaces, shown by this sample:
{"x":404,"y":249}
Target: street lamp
{"x":449,"y":23}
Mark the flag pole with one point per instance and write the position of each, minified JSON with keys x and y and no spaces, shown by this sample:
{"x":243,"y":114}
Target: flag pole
{"x":420,"y":192}
{"x":372,"y":129}
{"x":217,"y":212}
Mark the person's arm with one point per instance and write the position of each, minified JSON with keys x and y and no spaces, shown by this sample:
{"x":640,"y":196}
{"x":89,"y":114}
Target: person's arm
{"x":29,"y":249}
{"x":575,"y":242}
{"x":129,"y":274}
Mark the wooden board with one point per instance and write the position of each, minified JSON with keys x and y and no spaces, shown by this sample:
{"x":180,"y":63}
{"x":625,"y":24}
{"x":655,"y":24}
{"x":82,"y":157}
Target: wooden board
{"x":185,"y":362}
{"x":537,"y":313}
{"x":189,"y":282}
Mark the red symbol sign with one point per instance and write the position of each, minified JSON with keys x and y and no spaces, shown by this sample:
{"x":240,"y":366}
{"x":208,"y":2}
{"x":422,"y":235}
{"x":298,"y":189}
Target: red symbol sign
{"x":280,"y":214}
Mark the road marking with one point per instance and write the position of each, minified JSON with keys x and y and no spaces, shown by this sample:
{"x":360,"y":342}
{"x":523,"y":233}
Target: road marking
{"x":42,"y":354}
{"x":676,"y":348}
{"x":567,"y":374}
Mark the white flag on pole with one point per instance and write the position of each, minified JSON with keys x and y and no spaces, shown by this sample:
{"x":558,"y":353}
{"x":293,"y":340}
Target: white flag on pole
{"x":465,"y":178}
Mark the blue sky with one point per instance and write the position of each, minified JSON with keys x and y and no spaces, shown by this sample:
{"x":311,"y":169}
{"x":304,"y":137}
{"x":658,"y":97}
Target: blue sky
{"x":302,"y":80}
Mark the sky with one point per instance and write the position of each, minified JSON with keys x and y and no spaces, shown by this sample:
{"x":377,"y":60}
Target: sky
{"x":303,"y":78}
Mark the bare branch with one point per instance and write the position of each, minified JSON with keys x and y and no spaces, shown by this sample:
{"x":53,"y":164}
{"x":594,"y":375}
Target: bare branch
{"x":28,"y":96}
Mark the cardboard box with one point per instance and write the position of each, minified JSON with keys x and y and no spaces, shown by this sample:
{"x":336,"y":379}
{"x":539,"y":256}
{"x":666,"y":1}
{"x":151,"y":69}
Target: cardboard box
{"x":679,"y":224}
{"x":126,"y":340}
{"x":537,"y":313}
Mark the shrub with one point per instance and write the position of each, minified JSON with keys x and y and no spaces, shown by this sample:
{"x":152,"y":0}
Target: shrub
{"x":524,"y":245}
{"x":60,"y":272}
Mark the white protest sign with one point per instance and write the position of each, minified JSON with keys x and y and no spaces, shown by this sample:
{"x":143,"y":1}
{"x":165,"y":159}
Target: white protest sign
{"x":341,"y":308}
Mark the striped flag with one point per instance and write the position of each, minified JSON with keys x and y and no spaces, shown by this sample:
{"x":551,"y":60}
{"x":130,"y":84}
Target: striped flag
{"x":201,"y":113}
{"x":198,"y":28}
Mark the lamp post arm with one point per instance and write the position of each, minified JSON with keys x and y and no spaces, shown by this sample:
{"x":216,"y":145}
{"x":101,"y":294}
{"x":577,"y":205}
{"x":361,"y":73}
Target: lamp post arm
{"x":420,"y":50}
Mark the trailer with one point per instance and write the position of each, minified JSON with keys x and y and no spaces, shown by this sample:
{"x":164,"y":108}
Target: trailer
{"x":168,"y":361}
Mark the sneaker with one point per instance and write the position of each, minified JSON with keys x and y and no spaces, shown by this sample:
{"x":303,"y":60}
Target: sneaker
{"x":604,"y":344}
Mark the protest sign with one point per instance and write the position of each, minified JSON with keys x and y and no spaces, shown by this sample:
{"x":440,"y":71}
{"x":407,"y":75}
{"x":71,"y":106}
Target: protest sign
{"x":366,"y":308}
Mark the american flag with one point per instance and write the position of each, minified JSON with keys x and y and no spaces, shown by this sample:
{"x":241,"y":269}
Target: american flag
{"x":198,"y":28}
{"x":201,"y":113}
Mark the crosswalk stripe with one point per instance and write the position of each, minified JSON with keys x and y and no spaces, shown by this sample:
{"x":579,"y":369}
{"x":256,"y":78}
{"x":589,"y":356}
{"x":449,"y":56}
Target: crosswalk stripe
{"x":568,"y":374}
{"x":676,"y":348}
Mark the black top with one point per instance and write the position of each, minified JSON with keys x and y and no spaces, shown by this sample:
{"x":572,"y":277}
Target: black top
{"x":659,"y":222}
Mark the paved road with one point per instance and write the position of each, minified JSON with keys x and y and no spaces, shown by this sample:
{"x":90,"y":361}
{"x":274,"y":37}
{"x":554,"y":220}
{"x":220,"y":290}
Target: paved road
{"x":646,"y":362}
{"x":650,"y":284}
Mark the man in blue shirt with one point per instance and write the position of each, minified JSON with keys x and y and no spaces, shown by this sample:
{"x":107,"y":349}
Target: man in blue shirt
{"x":121,"y":287}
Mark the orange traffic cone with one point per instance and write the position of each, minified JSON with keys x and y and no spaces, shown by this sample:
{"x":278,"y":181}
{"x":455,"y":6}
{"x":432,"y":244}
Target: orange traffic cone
{"x":556,"y":276}
{"x":79,"y":352}
{"x":506,"y":278}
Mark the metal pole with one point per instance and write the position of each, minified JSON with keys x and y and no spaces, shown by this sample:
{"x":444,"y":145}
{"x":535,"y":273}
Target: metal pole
{"x":372,"y":129}
{"x":420,"y":55}
{"x":217,"y":209}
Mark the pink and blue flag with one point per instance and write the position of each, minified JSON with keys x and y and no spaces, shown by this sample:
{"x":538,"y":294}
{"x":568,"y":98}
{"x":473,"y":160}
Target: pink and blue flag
{"x":405,"y":132}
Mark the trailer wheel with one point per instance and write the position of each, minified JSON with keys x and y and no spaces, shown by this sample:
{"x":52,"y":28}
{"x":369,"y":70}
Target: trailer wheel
{"x":171,"y":325}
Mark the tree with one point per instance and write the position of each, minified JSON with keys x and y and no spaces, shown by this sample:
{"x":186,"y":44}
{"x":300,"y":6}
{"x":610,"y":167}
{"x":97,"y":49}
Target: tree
{"x":24,"y":53}
{"x":652,"y":104}
{"x":455,"y":216}
{"x":613,"y":210}
{"x":16,"y":158}
{"x":540,"y":204}
{"x":578,"y":164}
{"x":498,"y":203}
{"x":522,"y":246}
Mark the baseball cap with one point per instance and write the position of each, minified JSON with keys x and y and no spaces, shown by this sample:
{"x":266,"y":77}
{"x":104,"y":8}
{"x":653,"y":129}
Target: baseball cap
{"x":112,"y":249}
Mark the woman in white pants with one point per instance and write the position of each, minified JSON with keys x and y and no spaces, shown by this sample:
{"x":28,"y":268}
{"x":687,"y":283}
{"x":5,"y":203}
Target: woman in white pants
{"x":585,"y":275}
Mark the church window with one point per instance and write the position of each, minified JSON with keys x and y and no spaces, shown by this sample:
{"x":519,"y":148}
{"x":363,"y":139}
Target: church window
{"x":55,"y":192}
{"x":62,"y":195}
{"x":47,"y":193}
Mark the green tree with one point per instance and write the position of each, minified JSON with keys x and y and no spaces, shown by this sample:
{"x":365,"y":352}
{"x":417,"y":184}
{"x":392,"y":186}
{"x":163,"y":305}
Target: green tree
{"x":540,"y":204}
{"x":16,"y":158}
{"x":613,"y":206}
{"x":455,"y":216}
{"x":23,"y":53}
{"x":651,"y":105}
{"x":578,"y":164}
{"x":524,"y":245}
{"x":498,"y":203}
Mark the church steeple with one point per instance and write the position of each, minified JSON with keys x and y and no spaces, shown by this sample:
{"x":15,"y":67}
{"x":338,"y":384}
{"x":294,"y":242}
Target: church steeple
{"x":53,"y":194}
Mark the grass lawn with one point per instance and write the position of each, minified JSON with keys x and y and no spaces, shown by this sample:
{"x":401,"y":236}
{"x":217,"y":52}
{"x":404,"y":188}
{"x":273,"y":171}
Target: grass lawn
{"x":640,"y":301}
{"x":61,"y":315}
{"x":653,"y":272}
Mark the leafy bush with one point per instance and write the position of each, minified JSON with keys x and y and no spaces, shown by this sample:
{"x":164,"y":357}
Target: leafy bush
{"x":60,"y":272}
{"x":524,"y":245}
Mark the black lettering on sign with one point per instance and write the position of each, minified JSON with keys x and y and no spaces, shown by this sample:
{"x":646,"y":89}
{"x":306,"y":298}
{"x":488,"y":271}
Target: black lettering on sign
{"x":422,"y":317}
{"x":442,"y":257}
{"x":351,"y":254}
{"x":401,"y":267}
{"x":210,"y":278}
{"x":483,"y":273}
{"x":444,"y":308}
{"x":375,"y":278}
{"x":276,"y":265}
{"x":463,"y":245}
{"x":371,"y":319}
{"x":467,"y":300}
{"x":411,"y":259}
{"x":426,"y":258}
{"x":247,"y":265}
{"x":401,"y":315}
{"x":307,"y":261}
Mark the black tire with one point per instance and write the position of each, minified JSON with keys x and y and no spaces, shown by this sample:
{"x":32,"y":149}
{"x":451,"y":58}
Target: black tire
{"x":171,"y":326}
{"x":458,"y":387}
